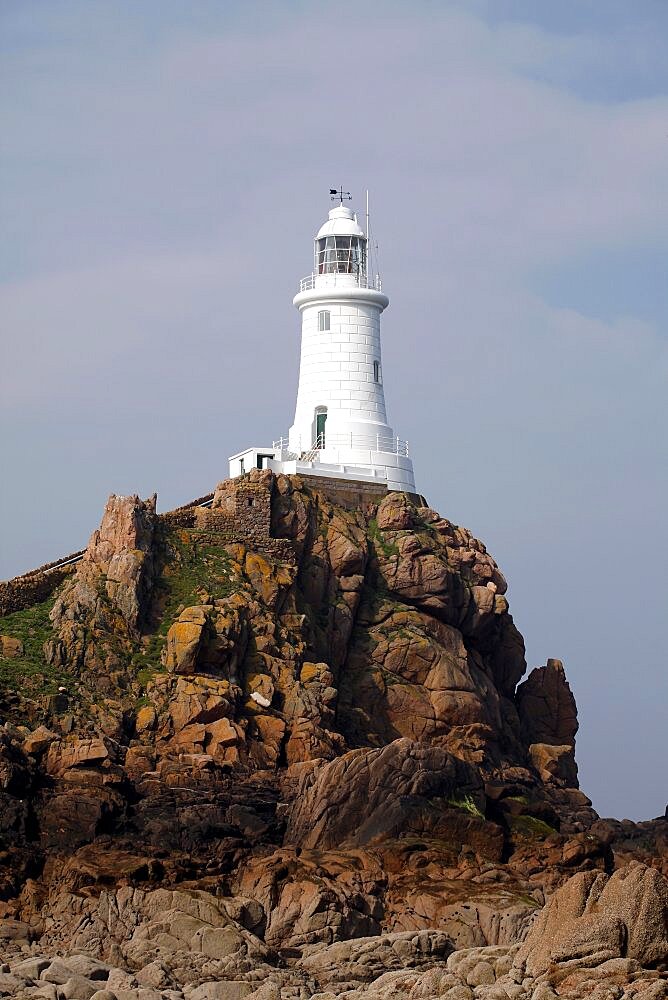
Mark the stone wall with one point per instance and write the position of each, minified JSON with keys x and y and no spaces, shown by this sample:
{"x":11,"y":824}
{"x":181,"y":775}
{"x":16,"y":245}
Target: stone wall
{"x":346,"y":493}
{"x":185,"y":516}
{"x":33,"y":588}
{"x":57,"y":563}
{"x":351,"y":493}
{"x":244,"y":515}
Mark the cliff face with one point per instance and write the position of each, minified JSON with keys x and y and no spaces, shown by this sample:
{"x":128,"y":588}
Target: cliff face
{"x":300,"y":712}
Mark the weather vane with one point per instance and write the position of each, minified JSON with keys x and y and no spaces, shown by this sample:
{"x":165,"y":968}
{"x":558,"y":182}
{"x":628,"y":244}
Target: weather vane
{"x":340,"y":194}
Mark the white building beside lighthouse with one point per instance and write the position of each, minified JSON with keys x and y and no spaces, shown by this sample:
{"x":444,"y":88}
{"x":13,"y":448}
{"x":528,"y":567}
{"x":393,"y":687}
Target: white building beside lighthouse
{"x":340,"y":429}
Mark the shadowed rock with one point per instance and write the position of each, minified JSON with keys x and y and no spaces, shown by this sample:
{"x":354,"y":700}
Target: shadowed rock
{"x":367,"y":795}
{"x":546,"y":706}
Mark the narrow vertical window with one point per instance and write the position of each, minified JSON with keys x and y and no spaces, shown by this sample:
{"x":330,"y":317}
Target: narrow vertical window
{"x":323,"y":320}
{"x":376,"y":371}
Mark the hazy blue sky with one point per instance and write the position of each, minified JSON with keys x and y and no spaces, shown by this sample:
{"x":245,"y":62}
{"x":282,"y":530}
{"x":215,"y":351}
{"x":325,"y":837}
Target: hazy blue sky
{"x":164,"y":167}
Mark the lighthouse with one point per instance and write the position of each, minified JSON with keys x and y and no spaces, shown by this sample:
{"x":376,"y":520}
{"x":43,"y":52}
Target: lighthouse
{"x":340,"y":428}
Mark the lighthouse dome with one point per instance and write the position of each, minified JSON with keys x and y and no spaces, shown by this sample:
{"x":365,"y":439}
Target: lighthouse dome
{"x":341,"y":222}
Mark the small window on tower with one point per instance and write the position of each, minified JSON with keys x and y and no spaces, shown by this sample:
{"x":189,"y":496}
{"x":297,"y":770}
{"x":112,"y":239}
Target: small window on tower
{"x":323,"y":320}
{"x":376,"y":371}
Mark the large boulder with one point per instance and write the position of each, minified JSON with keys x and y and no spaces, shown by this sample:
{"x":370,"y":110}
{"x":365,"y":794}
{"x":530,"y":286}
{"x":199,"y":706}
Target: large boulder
{"x":593,"y":919}
{"x":209,"y":639}
{"x":306,"y":898}
{"x":189,"y":931}
{"x":554,"y":763}
{"x":368,"y":795}
{"x":10,"y":648}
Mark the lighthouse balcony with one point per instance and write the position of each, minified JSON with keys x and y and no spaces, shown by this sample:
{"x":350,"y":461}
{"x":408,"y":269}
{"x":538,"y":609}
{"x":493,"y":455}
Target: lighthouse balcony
{"x":359,"y":279}
{"x":378,"y":459}
{"x":389,"y":444}
{"x":374,"y":458}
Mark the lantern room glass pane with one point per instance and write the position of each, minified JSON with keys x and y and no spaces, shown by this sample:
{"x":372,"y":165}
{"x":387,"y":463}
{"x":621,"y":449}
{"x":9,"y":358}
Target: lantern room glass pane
{"x":341,"y":255}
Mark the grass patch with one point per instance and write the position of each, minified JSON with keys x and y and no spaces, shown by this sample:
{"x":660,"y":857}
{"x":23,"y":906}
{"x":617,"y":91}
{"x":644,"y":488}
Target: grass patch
{"x":388,"y":549}
{"x":468,"y":805}
{"x":531,"y":826}
{"x":30,"y":673}
{"x":145,"y":674}
{"x":190,"y":565}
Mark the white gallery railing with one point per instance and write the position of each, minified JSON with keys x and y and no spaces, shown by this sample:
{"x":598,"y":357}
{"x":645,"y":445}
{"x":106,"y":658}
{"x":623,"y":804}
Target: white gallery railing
{"x":340,"y":278}
{"x":357,"y":442}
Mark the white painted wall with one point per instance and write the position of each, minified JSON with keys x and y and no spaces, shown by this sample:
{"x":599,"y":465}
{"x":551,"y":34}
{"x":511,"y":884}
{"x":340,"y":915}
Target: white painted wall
{"x":251,"y":458}
{"x":337,"y":366}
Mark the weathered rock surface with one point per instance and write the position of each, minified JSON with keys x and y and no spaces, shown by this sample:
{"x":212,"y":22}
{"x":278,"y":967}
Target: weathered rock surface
{"x":10,"y":647}
{"x":370,"y":795}
{"x":187,"y":930}
{"x":598,"y":937}
{"x":593,"y":919}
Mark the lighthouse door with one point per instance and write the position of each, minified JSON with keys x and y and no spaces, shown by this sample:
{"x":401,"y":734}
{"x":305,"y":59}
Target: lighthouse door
{"x":320,"y":421}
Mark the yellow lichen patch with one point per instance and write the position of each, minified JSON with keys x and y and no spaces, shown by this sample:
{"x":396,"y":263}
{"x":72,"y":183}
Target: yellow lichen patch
{"x":267,"y":579}
{"x":237,"y":552}
{"x":146,"y":719}
{"x":313,"y":672}
{"x":182,"y":640}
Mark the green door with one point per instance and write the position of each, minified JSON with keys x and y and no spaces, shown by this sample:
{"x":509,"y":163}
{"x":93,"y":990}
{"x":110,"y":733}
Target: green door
{"x":320,"y":421}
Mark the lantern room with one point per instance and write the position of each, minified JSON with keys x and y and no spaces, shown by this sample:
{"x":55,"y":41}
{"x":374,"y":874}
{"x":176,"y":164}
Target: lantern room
{"x":340,"y":245}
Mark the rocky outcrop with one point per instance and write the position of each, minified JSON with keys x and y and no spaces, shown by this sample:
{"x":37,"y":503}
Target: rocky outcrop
{"x":546,"y":706}
{"x":280,"y":751}
{"x":118,"y":561}
{"x":102,"y":607}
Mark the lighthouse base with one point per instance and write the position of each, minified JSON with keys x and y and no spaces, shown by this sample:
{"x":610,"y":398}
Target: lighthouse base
{"x":386,"y":470}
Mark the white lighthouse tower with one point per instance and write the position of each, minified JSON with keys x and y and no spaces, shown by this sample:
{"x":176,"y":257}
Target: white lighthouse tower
{"x":340,"y":430}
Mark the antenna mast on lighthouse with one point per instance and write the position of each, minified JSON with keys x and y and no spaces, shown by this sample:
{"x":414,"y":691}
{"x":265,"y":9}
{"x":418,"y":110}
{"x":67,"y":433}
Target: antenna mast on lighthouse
{"x":368,"y":239}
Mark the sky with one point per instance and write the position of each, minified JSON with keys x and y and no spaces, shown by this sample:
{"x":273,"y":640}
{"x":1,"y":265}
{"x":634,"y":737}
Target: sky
{"x":163,"y":169}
